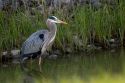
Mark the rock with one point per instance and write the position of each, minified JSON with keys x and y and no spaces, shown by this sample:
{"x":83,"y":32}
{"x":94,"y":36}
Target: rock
{"x":112,"y":40}
{"x":15,"y":61}
{"x":93,"y":47}
{"x":40,"y":8}
{"x":77,"y":41}
{"x":57,"y":52}
{"x":46,"y":54}
{"x":4,"y":53}
{"x":114,"y":43}
{"x":94,"y":1}
{"x":96,"y":5}
{"x":33,"y":6}
{"x":4,"y":65}
{"x":32,"y":3}
{"x":6,"y":2}
{"x":15,"y":53}
{"x":1,"y":4}
{"x":68,"y":50}
{"x":16,"y":4}
{"x":60,"y":2}
{"x":49,"y":2}
{"x":29,"y":4}
{"x":53,"y":56}
{"x":111,"y":2}
{"x":10,"y":4}
{"x":99,"y":48}
{"x":6,"y":58}
{"x":32,"y":11}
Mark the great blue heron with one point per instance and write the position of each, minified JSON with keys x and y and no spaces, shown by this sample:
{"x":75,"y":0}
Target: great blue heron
{"x":40,"y":41}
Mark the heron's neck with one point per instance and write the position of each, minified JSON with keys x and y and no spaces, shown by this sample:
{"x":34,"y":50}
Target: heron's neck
{"x":52,"y":28}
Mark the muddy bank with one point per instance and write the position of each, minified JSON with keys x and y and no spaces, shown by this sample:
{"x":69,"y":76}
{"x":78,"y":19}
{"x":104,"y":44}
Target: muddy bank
{"x":40,"y":5}
{"x":112,"y":46}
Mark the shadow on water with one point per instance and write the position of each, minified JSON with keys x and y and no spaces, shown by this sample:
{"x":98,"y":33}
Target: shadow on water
{"x":74,"y":68}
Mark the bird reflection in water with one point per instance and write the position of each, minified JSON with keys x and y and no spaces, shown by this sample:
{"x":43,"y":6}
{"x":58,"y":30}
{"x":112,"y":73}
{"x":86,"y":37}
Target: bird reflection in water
{"x":30,"y":74}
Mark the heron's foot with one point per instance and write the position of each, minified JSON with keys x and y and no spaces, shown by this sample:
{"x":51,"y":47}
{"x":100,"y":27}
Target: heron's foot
{"x":22,"y":60}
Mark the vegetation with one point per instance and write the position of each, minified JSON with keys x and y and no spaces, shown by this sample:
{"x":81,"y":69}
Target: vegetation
{"x":85,"y":22}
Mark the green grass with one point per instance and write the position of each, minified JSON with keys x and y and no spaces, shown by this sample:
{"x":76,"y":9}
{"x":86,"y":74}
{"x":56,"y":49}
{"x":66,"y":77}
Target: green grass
{"x":88,"y":24}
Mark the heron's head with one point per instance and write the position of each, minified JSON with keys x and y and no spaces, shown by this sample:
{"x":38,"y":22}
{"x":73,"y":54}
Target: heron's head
{"x":53,"y":19}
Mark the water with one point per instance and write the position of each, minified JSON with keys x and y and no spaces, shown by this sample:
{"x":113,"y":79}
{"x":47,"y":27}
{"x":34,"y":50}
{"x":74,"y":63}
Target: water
{"x":97,"y":67}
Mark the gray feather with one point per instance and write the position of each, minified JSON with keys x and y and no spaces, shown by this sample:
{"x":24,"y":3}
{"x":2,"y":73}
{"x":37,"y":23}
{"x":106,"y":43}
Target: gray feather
{"x":34,"y":42}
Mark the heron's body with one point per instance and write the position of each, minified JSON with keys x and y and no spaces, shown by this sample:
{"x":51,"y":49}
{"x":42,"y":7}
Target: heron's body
{"x":31,"y":48}
{"x":40,"y":41}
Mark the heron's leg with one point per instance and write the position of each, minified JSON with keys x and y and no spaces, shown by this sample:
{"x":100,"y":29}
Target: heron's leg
{"x":40,"y":58}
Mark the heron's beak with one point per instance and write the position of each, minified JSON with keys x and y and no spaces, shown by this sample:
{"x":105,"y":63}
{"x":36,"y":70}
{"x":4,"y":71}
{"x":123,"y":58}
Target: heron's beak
{"x":62,"y":22}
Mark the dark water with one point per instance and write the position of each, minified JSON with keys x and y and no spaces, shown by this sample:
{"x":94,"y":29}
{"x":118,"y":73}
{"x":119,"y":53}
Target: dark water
{"x":96,"y":67}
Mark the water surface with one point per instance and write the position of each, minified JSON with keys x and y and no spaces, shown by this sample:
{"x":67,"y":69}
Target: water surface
{"x":96,"y":67}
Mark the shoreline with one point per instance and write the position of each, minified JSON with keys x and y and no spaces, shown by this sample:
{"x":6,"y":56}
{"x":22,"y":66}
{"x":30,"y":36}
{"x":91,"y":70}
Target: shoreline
{"x":15,"y":54}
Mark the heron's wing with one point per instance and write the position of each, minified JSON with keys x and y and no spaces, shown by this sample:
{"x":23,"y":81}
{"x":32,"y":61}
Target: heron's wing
{"x":34,"y":42}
